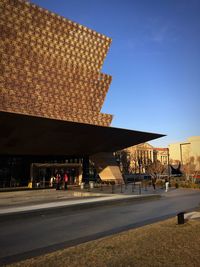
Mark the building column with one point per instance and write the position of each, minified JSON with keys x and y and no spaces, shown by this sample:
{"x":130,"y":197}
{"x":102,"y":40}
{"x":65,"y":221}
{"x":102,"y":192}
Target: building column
{"x":85,"y":176}
{"x":80,"y":175}
{"x":31,"y":172}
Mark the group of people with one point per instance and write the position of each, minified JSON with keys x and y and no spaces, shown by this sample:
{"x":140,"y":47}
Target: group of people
{"x":60,"y":181}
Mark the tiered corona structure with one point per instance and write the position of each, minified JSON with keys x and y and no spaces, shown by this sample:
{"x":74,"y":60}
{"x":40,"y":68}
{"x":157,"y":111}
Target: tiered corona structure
{"x":50,"y":66}
{"x":51,"y":94}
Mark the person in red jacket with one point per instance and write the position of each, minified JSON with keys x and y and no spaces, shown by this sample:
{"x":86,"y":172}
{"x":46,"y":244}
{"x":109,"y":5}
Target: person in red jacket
{"x":65,"y":178}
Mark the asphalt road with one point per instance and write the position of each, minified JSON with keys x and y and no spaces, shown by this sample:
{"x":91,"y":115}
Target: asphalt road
{"x":37,"y":233}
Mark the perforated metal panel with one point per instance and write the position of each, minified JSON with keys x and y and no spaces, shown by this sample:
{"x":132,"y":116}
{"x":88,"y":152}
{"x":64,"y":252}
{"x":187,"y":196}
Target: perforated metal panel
{"x":50,"y":66}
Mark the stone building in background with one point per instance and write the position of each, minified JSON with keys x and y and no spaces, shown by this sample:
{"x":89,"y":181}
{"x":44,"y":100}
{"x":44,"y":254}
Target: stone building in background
{"x":136,"y":159}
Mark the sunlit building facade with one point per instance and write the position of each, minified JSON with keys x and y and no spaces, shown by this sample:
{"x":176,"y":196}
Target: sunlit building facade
{"x":136,"y":159}
{"x":187,"y":154}
{"x":51,"y":94}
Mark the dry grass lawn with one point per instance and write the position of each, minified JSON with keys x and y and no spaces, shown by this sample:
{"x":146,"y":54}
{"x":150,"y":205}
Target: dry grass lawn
{"x":160,"y":244}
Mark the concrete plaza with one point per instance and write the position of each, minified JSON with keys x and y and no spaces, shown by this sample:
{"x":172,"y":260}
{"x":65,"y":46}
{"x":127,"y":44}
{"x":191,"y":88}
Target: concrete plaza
{"x":30,"y":200}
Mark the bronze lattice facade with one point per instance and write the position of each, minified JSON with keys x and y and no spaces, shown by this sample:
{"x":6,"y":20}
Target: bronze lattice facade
{"x":50,"y":66}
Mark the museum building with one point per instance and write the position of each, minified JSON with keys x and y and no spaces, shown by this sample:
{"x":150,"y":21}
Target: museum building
{"x":51,"y":94}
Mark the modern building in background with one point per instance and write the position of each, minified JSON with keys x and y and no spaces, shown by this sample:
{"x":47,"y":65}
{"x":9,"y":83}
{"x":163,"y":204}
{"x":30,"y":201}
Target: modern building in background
{"x":51,"y":94}
{"x":187,"y":154}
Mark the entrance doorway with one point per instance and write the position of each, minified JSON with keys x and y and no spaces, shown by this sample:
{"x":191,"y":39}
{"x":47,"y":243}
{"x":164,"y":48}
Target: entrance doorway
{"x":41,"y":174}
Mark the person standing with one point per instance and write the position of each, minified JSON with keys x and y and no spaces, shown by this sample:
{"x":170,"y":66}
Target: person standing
{"x":65,"y":178}
{"x":153,"y":180}
{"x":51,"y":182}
{"x":58,"y":178}
{"x":166,"y":185}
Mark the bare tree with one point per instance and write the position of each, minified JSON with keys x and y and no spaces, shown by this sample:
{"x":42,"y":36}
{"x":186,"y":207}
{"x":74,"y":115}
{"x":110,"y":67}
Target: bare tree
{"x":124,"y":161}
{"x":190,"y":167}
{"x":134,"y":163}
{"x":155,"y":169}
{"x":198,"y":160}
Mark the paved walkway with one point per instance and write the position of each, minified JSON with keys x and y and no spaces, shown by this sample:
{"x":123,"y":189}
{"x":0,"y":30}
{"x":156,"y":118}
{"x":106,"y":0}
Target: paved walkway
{"x":34,"y":200}
{"x":23,"y":201}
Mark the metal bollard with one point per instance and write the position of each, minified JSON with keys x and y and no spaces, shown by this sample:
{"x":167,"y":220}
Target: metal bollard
{"x":145,"y":187}
{"x":139,"y":189}
{"x":180,"y":217}
{"x":91,"y":184}
{"x":82,"y":186}
{"x":101,"y":187}
{"x":88,"y":188}
{"x":112,"y":185}
{"x":133,"y":188}
{"x":121,"y":188}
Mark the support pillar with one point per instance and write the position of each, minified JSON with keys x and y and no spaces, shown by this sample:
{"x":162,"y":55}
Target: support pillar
{"x":31,"y":172}
{"x":86,"y":169}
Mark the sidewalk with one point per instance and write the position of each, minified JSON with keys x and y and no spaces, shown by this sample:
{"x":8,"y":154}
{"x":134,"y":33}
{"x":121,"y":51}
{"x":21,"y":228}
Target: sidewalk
{"x":26,"y":201}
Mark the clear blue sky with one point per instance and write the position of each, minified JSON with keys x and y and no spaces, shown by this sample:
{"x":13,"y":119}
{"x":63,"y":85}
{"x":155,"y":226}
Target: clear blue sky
{"x":154,"y":60}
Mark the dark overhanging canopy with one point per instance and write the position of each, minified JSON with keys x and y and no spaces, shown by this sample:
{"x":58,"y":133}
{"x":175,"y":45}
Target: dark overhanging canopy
{"x":29,"y":135}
